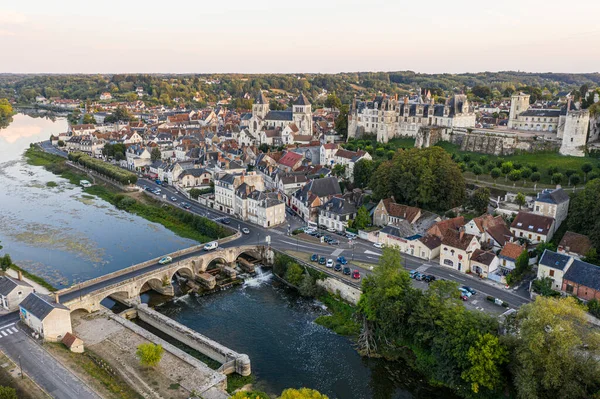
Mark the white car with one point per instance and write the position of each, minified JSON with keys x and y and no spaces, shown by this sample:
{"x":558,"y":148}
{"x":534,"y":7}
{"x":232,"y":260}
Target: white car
{"x":165,"y":260}
{"x":329,"y":263}
{"x":245,"y":230}
{"x":211,"y":245}
{"x":378,"y":245}
{"x":331,"y":230}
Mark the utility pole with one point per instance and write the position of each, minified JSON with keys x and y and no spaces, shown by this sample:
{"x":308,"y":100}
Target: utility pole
{"x":21,"y":367}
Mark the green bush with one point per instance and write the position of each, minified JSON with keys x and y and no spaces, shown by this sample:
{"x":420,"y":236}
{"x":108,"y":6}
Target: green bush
{"x":114,"y":172}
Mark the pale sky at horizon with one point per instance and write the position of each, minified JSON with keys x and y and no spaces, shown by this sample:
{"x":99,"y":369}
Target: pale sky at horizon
{"x":329,"y":36}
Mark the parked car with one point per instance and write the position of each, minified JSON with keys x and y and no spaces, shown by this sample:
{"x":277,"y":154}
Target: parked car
{"x":187,"y":206}
{"x":327,"y":238}
{"x":342,"y":260}
{"x":429,"y":278}
{"x":464,"y":297}
{"x":144,"y":187}
{"x":157,"y":192}
{"x":347,"y":271}
{"x":378,"y":245}
{"x":314,"y":258}
{"x":333,"y":242}
{"x":412,"y":273}
{"x":465,"y":292}
{"x":322,"y":260}
{"x":157,"y":181}
{"x":331,"y":230}
{"x":226,"y":220}
{"x":329,"y":263}
{"x":356,"y":275}
{"x":469,"y":289}
{"x":245,"y":230}
{"x":165,"y":260}
{"x":174,"y":199}
{"x":419,"y":276}
{"x":148,"y":189}
{"x":211,"y":245}
{"x":337,"y":267}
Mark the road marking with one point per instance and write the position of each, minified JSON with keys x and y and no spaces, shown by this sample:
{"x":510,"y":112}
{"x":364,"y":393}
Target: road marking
{"x":372,"y":253}
{"x":8,"y":325}
{"x":3,"y":333}
{"x":303,"y":246}
{"x":423,"y":268}
{"x":10,"y":332}
{"x":458,"y":278}
{"x":337,"y":252}
{"x":15,"y":329}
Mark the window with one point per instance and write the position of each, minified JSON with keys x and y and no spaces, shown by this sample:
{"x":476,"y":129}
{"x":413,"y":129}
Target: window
{"x":551,"y":273}
{"x":569,"y":288}
{"x":448,"y":262}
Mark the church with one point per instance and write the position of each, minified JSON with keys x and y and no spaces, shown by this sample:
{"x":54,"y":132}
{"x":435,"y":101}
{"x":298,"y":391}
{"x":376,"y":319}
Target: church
{"x":264,"y":119}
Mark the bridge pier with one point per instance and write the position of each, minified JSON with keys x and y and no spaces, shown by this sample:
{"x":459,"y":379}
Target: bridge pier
{"x":164,"y":287}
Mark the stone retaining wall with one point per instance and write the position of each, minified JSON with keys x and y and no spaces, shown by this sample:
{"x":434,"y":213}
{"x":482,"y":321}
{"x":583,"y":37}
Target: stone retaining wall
{"x":336,"y":287}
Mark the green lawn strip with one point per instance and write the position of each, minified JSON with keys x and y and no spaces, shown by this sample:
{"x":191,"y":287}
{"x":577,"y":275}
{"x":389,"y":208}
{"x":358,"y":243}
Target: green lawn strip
{"x":341,"y":320}
{"x":236,"y":381}
{"x":34,"y":278}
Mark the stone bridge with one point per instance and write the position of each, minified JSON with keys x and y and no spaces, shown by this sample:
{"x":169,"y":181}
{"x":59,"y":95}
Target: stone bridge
{"x":127,"y":284}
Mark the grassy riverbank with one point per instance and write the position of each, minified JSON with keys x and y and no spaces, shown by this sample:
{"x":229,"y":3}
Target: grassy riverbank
{"x":342,"y":320}
{"x":37,"y":279}
{"x":53,"y":163}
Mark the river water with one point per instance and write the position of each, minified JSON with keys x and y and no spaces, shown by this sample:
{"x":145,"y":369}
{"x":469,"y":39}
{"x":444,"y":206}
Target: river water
{"x":65,"y":236}
{"x":61,"y":233}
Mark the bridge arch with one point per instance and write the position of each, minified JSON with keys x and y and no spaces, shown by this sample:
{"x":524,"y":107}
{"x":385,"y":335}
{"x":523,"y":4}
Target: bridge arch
{"x":185,"y":271}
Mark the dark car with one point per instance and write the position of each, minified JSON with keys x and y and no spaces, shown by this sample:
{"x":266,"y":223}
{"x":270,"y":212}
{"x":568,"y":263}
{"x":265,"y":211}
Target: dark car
{"x":226,"y":220}
{"x":327,"y":238}
{"x":187,"y":206}
{"x":333,"y":242}
{"x":419,"y":276}
{"x":429,"y":278}
{"x":471,"y":290}
{"x":148,"y":188}
{"x":347,"y":271}
{"x":342,"y":260}
{"x":314,"y":258}
{"x":337,"y":267}
{"x":322,"y":260}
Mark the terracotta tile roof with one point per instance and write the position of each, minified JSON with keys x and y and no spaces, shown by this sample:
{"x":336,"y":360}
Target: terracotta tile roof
{"x":532,"y":222}
{"x":500,"y":233}
{"x":290,"y":159}
{"x":409,"y":213}
{"x":484,"y":257}
{"x":69,"y":339}
{"x":511,"y":250}
{"x":486,"y":221}
{"x":575,"y":243}
{"x":330,"y":146}
{"x":441,"y":227}
{"x":431,"y":241}
{"x":457,"y":239}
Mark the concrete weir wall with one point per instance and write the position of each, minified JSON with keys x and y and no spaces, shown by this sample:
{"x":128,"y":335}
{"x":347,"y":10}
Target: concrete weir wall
{"x":231,"y":360}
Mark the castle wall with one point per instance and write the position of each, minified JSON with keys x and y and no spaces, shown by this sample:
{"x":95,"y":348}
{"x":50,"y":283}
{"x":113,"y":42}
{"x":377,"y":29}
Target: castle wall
{"x":575,"y":133}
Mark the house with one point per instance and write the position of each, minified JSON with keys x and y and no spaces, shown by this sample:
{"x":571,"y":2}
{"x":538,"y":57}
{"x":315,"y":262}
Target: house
{"x":532,"y":227}
{"x":45,"y":316}
{"x":306,"y":201}
{"x":439,"y":229}
{"x":336,"y":213}
{"x":554,"y":204}
{"x":105,"y":96}
{"x":265,"y":209}
{"x":573,"y":244}
{"x":73,"y":343}
{"x":484,"y":262}
{"x":13,"y":291}
{"x":491,"y":231}
{"x":582,"y":279}
{"x":327,"y":153}
{"x":388,"y":211}
{"x":509,"y":254}
{"x":425,"y":247}
{"x":349,"y":159}
{"x":225,"y":189}
{"x":457,"y":248}
{"x":553,"y":265}
{"x":290,"y":161}
{"x":195,"y":177}
{"x":288,"y":184}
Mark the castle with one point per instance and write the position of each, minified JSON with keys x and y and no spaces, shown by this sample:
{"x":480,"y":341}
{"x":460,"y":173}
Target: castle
{"x":387,"y":118}
{"x":263,"y":118}
{"x":570,"y":124}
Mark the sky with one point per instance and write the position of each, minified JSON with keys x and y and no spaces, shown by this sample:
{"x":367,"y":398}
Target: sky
{"x":326,"y":36}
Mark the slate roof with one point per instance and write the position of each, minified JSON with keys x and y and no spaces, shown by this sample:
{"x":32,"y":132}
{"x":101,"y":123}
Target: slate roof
{"x":576,"y":243}
{"x":324,"y":187}
{"x":532,"y":222}
{"x":228,"y":178}
{"x":196,"y":172}
{"x":40,"y":305}
{"x":552,"y":113}
{"x":280,"y":116}
{"x":339,"y":206}
{"x":554,"y":260}
{"x":392,"y":231}
{"x":484,"y":257}
{"x":302,"y":100}
{"x":584,"y":273}
{"x":261,"y":99}
{"x":556,"y":196}
{"x":8,"y":284}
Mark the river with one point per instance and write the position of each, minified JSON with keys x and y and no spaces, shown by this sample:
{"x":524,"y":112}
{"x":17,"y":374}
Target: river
{"x":60,"y":233}
{"x":65,"y":236}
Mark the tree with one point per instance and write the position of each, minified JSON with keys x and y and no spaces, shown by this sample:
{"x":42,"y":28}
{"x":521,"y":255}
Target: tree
{"x":302,"y":393}
{"x":339,"y":170}
{"x":552,"y":170}
{"x":61,"y":143}
{"x":155,"y":154}
{"x":535,"y":177}
{"x":362,"y":219}
{"x":514,"y":176}
{"x":586,"y":168}
{"x":575,"y":180}
{"x":506,"y":168}
{"x":495,"y":174}
{"x":363,"y":170}
{"x":569,"y":173}
{"x":341,"y":122}
{"x":294,"y":273}
{"x":584,"y":212}
{"x":525,"y":174}
{"x":557,"y":178}
{"x":477,"y":171}
{"x":486,"y":356}
{"x":8,"y":393}
{"x":480,"y":199}
{"x":333,"y":101}
{"x":555,"y":353}
{"x":5,"y":262}
{"x":89,"y":119}
{"x":482,"y":91}
{"x":149,"y":354}
{"x":521,"y":265}
{"x":307,"y":287}
{"x":520,"y":200}
{"x":247,"y":395}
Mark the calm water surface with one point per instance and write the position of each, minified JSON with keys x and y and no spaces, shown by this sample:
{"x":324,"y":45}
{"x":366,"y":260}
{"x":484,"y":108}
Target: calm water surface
{"x":61,"y":233}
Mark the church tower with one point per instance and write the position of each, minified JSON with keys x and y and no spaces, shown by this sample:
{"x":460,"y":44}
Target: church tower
{"x":260,"y":108}
{"x":302,"y":115}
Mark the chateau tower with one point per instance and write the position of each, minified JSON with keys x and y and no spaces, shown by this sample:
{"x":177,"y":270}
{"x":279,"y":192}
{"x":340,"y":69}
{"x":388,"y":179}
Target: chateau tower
{"x":519,"y":103}
{"x":575,"y":133}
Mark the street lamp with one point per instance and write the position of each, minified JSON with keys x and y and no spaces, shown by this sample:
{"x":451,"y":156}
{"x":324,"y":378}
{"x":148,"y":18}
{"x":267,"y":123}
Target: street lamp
{"x":257,"y":239}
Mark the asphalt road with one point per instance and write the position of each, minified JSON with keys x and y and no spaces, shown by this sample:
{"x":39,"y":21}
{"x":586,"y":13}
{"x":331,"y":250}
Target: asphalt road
{"x":48,"y":147}
{"x":58,"y":381}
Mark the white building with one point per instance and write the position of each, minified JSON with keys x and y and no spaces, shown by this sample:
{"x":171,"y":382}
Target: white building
{"x":48,"y":318}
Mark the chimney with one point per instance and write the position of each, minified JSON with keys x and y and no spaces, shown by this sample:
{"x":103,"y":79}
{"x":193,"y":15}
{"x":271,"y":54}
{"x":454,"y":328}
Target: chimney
{"x":19,"y":275}
{"x":56,"y":298}
{"x":461,"y":232}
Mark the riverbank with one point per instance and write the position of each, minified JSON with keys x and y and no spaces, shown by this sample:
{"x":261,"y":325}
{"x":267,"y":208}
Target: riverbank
{"x":179,"y":221}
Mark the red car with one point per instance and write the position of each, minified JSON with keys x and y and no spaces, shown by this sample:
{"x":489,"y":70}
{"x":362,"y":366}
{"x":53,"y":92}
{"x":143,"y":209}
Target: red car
{"x":464,"y":297}
{"x":356,"y":275}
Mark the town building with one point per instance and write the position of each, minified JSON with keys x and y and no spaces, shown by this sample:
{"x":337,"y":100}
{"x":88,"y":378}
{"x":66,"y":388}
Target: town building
{"x":306,"y":201}
{"x":194,"y":177}
{"x":264,"y":119}
{"x":532,"y":227}
{"x":457,"y":248}
{"x":554,"y":204}
{"x":582,"y":280}
{"x":388,"y":211}
{"x":226,"y":186}
{"x":13,"y":291}
{"x":575,"y":245}
{"x":484,"y":263}
{"x":509,"y":255}
{"x":349,"y":160}
{"x":336,"y":213}
{"x":553,"y":265}
{"x":45,"y":316}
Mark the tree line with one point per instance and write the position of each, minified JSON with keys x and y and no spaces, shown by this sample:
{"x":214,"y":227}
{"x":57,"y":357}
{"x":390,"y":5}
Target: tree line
{"x":114,"y":172}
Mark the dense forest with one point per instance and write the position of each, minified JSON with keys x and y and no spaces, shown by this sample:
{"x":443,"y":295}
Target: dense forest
{"x":166,"y":89}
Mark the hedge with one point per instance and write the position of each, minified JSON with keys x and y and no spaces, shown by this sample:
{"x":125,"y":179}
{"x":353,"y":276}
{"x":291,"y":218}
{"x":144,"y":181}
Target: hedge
{"x":114,"y":172}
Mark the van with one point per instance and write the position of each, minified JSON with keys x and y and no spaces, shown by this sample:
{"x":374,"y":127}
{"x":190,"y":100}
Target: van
{"x":211,"y":245}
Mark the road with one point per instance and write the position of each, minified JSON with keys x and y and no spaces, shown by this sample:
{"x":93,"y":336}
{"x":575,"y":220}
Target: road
{"x":363,"y":251}
{"x":49,"y":148}
{"x":46,"y":371}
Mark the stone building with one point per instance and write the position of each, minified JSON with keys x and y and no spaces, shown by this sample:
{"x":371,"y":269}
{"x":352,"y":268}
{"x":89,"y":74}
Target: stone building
{"x":387,"y":118}
{"x":13,"y":291}
{"x":45,"y":316}
{"x":263,"y":118}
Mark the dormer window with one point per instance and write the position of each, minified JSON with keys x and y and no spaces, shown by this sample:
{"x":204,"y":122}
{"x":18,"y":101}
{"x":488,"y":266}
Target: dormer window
{"x":519,"y":224}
